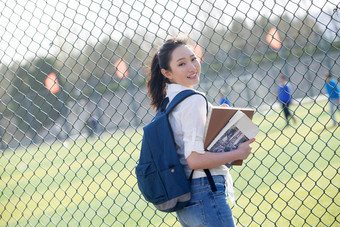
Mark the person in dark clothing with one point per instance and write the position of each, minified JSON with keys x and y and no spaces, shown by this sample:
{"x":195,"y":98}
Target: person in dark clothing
{"x":284,"y":97}
{"x":333,"y":92}
{"x":91,"y":126}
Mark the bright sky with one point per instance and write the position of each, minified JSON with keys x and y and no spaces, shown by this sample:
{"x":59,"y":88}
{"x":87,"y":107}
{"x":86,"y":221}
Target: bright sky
{"x":30,"y":27}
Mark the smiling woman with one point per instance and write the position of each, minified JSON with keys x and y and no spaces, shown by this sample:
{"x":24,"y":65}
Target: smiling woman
{"x":176,"y":68}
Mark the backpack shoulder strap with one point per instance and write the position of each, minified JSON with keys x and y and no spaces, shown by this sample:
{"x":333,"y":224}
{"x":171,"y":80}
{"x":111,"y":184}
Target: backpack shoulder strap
{"x":180,"y":97}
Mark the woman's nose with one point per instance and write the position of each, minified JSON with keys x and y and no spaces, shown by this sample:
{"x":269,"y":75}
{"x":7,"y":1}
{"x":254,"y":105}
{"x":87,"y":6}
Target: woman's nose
{"x":192,"y":66}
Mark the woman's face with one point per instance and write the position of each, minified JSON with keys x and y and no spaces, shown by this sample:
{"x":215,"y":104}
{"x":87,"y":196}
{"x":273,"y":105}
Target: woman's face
{"x":184,"y":67}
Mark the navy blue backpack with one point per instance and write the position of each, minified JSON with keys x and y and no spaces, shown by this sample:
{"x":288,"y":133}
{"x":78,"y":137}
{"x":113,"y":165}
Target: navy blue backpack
{"x":160,"y":175}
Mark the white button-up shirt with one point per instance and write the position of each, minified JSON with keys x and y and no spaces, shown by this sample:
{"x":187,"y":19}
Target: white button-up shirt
{"x":188,"y":121}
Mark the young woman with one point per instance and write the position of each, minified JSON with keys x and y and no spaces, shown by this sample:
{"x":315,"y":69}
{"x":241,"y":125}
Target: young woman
{"x":175,"y":68}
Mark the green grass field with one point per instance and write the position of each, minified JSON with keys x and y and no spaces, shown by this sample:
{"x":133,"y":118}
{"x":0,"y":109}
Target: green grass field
{"x":292,"y":179}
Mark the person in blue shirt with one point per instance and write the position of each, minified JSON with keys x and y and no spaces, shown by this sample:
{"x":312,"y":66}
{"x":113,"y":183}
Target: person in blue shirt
{"x":284,"y":97}
{"x":333,"y":96}
{"x":224,"y":100}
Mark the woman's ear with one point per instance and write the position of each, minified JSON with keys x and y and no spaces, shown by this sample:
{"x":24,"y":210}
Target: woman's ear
{"x":166,"y":73}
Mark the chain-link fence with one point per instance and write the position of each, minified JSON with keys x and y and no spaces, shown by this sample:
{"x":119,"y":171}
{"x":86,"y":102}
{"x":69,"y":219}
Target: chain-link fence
{"x":73,"y":104}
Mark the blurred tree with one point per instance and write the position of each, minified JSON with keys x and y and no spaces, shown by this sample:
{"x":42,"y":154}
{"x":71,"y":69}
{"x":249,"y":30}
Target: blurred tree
{"x":238,"y":35}
{"x":32,"y":103}
{"x":6,"y":77}
{"x":297,"y":32}
{"x":206,"y":41}
{"x":309,"y":32}
{"x":258,"y":34}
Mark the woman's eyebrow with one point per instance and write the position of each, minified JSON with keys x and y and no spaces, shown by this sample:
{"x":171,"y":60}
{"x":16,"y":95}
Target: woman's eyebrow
{"x":184,"y":57}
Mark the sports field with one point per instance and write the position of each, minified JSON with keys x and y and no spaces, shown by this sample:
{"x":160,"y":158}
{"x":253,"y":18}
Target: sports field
{"x":292,"y":178}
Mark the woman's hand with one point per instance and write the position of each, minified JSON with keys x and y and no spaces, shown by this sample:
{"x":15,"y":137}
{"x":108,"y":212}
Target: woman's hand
{"x":214,"y":159}
{"x":244,"y":149}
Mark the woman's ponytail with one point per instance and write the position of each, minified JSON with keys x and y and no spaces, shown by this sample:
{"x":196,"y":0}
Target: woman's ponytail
{"x":156,"y":83}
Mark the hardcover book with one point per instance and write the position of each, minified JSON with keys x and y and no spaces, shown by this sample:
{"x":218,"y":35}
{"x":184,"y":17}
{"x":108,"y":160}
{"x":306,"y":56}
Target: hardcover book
{"x":228,"y":127}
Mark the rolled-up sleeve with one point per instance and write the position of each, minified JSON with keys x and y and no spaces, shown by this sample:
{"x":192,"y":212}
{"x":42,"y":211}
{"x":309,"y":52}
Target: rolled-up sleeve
{"x":193,"y":119}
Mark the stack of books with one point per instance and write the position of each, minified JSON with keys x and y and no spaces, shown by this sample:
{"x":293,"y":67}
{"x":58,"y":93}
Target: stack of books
{"x":227,"y":128}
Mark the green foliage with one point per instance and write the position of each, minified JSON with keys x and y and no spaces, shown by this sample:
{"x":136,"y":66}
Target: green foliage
{"x":32,"y":103}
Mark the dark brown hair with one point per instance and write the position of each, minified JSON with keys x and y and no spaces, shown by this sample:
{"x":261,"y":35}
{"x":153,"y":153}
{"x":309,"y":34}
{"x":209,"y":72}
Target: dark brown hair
{"x":156,"y":82}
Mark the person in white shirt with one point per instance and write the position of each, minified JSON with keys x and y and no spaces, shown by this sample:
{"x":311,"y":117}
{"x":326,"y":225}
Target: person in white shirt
{"x":175,"y":68}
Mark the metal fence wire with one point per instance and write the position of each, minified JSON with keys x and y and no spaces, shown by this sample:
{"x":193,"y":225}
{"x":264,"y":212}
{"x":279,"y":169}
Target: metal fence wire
{"x":74,"y":102}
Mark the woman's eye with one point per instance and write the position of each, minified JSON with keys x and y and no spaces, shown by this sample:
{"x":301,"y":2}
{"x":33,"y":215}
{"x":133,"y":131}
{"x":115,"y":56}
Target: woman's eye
{"x":181,"y":64}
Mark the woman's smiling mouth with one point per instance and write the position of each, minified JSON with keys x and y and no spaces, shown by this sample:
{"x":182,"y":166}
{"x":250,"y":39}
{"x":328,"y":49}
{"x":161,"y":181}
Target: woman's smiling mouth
{"x":192,"y":76}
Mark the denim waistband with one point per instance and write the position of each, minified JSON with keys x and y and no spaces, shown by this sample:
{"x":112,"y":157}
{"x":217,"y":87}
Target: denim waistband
{"x":204,"y":180}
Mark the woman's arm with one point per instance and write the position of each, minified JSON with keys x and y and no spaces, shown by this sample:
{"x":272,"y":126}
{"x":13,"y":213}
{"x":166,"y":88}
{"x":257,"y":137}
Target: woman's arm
{"x":210,"y":160}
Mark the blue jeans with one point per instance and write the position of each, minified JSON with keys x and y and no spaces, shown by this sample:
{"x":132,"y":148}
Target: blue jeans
{"x":207,"y":208}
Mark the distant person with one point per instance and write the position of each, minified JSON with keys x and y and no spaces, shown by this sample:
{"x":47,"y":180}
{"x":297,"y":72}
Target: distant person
{"x":333,"y":96}
{"x":284,"y":97}
{"x":224,"y":100}
{"x":91,"y":126}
